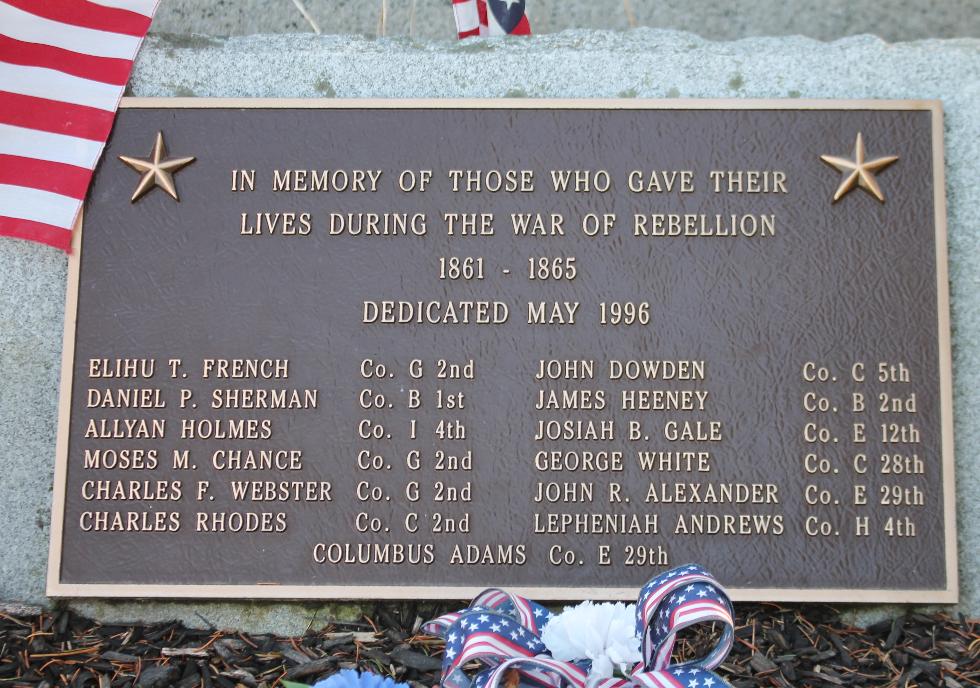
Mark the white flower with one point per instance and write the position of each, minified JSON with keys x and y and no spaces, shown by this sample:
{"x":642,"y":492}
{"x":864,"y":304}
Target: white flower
{"x":603,"y":633}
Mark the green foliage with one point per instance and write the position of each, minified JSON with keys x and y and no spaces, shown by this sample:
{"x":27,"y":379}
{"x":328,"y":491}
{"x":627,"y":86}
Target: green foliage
{"x":293,"y":684}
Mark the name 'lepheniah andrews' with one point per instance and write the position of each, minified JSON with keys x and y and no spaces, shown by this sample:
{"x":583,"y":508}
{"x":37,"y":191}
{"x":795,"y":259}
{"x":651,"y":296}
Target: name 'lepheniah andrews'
{"x":649,"y":524}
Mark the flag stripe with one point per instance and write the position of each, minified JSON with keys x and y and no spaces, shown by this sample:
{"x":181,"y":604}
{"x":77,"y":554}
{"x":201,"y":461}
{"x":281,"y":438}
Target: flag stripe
{"x":25,"y":26}
{"x":54,"y":116}
{"x":54,"y":85}
{"x":490,"y":597}
{"x":534,"y":666}
{"x":467,"y":18}
{"x":38,"y":206}
{"x":59,"y":237}
{"x":56,"y":177}
{"x":63,"y":67}
{"x":481,"y":8}
{"x":147,"y":7}
{"x":700,"y":609}
{"x":42,"y":145}
{"x":482,"y":643}
{"x":663,"y":590}
{"x":87,"y":14}
{"x":657,"y":679}
{"x":105,"y":69}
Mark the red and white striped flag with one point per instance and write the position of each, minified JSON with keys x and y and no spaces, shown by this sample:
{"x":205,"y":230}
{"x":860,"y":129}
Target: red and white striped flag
{"x":63,"y":67}
{"x":490,"y":18}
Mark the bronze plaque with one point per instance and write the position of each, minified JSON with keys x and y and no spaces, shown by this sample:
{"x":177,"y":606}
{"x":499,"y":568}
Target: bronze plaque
{"x":393,"y":349}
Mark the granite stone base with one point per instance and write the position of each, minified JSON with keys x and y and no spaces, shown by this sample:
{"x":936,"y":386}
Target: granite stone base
{"x":641,"y":63}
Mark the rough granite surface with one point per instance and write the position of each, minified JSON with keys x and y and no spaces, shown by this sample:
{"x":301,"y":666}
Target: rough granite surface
{"x":640,"y":63}
{"x":894,"y":20}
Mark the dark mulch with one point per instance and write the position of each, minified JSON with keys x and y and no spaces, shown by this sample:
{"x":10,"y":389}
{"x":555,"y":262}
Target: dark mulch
{"x":775,"y":646}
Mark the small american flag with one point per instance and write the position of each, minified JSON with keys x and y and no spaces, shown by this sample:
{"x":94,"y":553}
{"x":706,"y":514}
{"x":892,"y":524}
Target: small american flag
{"x":490,"y":18}
{"x":63,"y":67}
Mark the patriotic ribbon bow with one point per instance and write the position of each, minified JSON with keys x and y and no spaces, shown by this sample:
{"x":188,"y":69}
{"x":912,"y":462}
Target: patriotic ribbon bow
{"x":502,"y":632}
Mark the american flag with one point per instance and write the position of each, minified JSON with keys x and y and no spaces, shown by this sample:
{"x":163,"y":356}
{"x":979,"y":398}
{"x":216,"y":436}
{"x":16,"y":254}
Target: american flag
{"x":63,"y":67}
{"x":490,"y":18}
{"x":500,"y":633}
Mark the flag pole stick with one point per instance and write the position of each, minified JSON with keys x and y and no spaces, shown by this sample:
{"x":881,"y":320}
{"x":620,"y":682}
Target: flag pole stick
{"x":308,"y":17}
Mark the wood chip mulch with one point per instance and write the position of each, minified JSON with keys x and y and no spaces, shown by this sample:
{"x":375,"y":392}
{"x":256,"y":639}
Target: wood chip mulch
{"x":775,"y":646}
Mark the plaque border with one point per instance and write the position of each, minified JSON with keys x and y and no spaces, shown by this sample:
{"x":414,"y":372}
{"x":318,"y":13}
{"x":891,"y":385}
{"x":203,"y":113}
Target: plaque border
{"x":272,"y":591}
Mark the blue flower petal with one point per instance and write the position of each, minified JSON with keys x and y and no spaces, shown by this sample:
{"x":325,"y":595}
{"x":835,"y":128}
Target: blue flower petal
{"x":349,"y":678}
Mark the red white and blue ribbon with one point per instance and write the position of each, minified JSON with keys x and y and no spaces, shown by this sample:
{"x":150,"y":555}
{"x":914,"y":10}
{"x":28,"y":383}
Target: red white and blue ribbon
{"x":502,"y":632}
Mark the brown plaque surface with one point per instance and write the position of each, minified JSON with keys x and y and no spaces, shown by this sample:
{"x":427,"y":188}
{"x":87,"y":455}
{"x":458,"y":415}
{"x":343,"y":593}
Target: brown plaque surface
{"x":376,"y":350}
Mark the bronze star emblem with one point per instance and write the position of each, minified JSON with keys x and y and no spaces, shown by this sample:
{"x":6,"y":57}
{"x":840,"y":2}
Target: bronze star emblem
{"x":156,"y":170}
{"x":859,"y":172}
